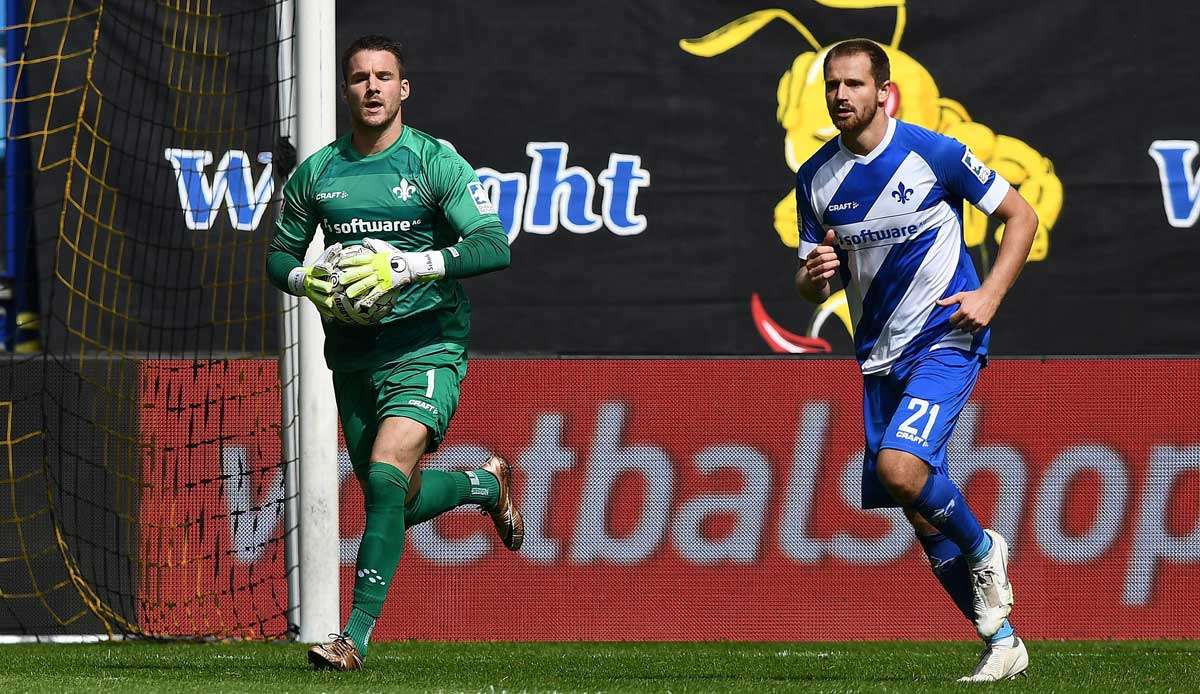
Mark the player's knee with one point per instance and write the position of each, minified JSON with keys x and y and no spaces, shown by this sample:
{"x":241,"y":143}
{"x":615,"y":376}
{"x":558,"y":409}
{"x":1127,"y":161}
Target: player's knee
{"x":402,"y":455}
{"x":400,"y":442}
{"x":903,"y":474}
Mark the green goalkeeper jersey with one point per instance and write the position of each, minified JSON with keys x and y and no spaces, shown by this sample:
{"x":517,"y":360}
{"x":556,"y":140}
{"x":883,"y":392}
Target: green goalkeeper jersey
{"x":418,"y":195}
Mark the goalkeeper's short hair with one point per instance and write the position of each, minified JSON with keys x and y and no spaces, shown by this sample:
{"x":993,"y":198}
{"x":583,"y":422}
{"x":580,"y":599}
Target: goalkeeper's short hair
{"x":373,"y":42}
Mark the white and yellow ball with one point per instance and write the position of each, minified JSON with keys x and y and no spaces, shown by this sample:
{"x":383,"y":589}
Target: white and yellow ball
{"x":365,"y":310}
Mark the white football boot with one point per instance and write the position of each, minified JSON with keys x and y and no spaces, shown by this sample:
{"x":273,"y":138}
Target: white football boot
{"x":998,"y":663}
{"x":992,"y":594}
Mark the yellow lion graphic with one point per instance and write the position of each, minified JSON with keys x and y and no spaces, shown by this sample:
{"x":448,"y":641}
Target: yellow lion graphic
{"x":915,"y":99}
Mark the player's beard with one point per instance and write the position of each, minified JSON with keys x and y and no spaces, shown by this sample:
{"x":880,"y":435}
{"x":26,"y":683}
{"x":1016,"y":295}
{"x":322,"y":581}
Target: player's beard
{"x":380,"y":125}
{"x":856,"y":122}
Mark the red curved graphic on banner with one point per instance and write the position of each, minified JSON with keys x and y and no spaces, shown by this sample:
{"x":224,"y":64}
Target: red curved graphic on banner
{"x":781,"y":340}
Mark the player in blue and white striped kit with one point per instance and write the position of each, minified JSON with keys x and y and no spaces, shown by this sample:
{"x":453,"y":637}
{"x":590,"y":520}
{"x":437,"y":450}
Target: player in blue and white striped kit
{"x":880,"y":208}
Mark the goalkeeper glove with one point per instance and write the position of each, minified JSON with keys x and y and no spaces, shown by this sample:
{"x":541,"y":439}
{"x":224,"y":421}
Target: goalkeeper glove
{"x":373,"y":275}
{"x":316,"y":281}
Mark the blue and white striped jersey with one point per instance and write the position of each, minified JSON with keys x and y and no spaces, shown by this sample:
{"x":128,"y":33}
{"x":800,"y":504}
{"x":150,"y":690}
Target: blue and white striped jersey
{"x":897,"y":213}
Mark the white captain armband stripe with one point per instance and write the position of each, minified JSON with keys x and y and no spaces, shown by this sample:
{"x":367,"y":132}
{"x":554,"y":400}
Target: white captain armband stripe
{"x":996,"y":192}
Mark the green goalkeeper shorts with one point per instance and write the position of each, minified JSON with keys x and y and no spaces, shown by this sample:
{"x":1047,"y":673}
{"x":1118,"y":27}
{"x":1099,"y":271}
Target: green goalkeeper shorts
{"x":422,"y":385}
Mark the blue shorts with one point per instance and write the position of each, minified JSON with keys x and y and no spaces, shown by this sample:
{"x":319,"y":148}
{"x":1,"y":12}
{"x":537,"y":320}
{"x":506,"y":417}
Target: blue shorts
{"x":914,"y":409}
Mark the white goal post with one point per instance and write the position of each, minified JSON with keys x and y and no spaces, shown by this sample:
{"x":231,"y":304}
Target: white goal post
{"x":310,"y":434}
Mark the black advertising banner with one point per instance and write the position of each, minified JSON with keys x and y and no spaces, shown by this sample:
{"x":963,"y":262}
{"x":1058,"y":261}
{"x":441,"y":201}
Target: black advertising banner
{"x":152,"y":128}
{"x":642,"y":159}
{"x":642,"y":162}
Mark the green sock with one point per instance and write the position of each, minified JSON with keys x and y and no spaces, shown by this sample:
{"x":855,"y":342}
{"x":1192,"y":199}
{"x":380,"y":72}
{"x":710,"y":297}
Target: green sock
{"x":380,"y":550}
{"x":442,"y":491}
{"x":359,"y":628}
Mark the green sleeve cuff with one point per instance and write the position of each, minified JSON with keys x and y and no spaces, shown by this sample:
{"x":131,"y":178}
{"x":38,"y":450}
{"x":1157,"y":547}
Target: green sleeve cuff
{"x":483,"y":250}
{"x":279,"y":266}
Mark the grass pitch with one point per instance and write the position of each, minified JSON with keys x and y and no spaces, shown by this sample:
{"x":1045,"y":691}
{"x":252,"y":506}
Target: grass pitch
{"x":1055,"y":666}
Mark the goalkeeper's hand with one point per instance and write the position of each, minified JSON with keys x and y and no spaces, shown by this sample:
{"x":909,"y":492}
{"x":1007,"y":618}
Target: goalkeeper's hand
{"x":316,"y":281}
{"x":387,"y":269}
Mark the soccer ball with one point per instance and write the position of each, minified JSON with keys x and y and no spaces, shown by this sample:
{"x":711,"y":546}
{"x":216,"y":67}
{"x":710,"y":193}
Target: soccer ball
{"x":366,"y":310}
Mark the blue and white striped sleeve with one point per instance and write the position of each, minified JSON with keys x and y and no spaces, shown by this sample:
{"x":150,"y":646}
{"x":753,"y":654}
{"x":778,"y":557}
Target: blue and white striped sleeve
{"x":963,"y":174}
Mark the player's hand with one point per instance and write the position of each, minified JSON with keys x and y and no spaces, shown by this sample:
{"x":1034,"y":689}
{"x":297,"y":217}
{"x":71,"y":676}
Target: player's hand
{"x":316,"y":281}
{"x":387,"y":269}
{"x":822,"y":262}
{"x":976,"y":309}
{"x":318,"y":287}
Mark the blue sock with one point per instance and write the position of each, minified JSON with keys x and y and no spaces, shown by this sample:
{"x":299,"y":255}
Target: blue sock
{"x":951,"y":570}
{"x":943,"y":505}
{"x":980,"y":551}
{"x":1005,"y":631}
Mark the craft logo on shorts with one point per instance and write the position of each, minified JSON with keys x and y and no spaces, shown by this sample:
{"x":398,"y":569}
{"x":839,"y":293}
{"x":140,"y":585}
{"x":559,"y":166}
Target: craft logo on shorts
{"x":423,"y":405}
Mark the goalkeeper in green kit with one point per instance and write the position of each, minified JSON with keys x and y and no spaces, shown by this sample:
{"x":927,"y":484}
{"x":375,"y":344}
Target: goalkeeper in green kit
{"x":404,"y":218}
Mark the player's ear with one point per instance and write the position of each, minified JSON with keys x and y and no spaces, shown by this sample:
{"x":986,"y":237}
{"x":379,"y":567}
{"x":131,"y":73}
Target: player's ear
{"x":891,"y":104}
{"x":405,"y":89}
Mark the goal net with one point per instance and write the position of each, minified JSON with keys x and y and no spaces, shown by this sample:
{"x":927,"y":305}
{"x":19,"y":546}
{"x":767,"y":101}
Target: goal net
{"x":144,"y":488}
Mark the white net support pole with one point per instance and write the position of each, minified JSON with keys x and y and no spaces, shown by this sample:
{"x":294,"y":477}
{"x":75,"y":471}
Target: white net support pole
{"x":316,"y":82}
{"x":289,"y":327}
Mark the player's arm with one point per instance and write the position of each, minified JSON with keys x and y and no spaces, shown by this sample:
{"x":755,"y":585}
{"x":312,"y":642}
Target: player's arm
{"x":482,"y":245}
{"x":294,"y":230}
{"x":818,"y":258}
{"x":993,"y":195}
{"x":483,"y":249}
{"x":1020,"y":225}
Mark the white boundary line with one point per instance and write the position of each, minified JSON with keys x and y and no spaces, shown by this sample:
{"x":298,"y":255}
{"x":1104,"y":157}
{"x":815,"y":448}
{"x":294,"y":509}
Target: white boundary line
{"x":8,"y":639}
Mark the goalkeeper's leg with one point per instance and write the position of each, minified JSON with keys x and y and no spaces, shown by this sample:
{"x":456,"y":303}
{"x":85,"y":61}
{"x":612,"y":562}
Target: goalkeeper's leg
{"x":439,"y":491}
{"x":425,"y":388}
{"x":490,"y":487}
{"x":398,"y":446}
{"x":430,"y":492}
